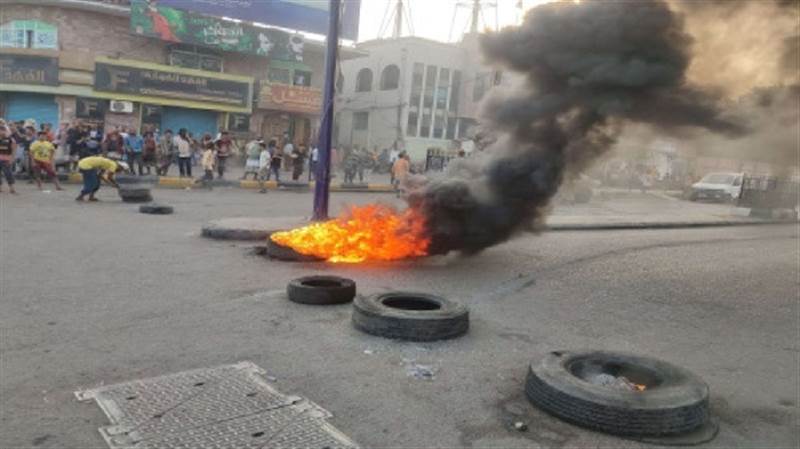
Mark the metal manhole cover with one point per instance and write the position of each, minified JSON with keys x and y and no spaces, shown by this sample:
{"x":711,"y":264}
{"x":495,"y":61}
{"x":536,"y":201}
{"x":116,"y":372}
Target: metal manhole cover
{"x":222,"y":407}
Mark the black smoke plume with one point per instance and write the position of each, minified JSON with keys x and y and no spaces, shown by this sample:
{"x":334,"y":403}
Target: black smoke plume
{"x":588,"y":68}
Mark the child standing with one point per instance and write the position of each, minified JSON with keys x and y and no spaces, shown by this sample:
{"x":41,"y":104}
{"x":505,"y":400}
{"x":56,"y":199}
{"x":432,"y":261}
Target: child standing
{"x":208,"y":159}
{"x":42,"y":152}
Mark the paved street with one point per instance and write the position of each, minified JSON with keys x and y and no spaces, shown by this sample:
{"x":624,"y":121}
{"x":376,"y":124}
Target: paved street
{"x":97,"y":294}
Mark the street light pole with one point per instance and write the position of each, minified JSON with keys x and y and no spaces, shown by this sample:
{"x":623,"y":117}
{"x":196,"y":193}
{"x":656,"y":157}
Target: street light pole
{"x":323,"y":175}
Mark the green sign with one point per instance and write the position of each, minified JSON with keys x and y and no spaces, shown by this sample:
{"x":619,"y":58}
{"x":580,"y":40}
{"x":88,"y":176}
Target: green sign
{"x":176,"y":25}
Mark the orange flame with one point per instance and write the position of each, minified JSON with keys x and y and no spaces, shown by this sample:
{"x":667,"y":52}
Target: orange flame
{"x":372,"y":232}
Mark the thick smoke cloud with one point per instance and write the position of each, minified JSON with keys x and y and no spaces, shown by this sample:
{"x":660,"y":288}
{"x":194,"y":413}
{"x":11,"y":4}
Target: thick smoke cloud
{"x":741,"y":45}
{"x":588,"y":68}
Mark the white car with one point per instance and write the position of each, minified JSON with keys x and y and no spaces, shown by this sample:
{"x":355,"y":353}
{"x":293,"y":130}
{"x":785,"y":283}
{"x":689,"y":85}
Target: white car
{"x":717,"y":186}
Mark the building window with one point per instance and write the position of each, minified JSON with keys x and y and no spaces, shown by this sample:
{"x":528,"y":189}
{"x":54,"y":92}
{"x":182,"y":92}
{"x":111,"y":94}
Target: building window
{"x":425,"y":128}
{"x":480,"y":86}
{"x":360,"y":120}
{"x":280,"y":76}
{"x":28,"y":34}
{"x":438,"y":124}
{"x":364,"y":80}
{"x":442,"y":89}
{"x":451,"y":129}
{"x":411,"y":127}
{"x":455,"y":91}
{"x":430,"y":80}
{"x":301,"y":78}
{"x":390,"y":77}
{"x":416,"y":83}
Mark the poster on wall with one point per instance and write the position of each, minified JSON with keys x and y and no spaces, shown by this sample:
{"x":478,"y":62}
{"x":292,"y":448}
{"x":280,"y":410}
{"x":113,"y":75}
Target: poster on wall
{"x":303,"y":15}
{"x":153,"y":19}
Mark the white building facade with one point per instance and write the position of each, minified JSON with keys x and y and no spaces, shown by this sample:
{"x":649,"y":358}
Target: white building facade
{"x":411,"y":93}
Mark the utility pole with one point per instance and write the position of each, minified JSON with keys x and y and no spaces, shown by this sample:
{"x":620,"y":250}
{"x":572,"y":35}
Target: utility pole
{"x":323,"y":175}
{"x":398,"y":19}
{"x":476,"y":11}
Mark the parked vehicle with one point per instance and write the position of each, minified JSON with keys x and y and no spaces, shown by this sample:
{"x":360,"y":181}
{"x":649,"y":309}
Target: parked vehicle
{"x":717,"y":187}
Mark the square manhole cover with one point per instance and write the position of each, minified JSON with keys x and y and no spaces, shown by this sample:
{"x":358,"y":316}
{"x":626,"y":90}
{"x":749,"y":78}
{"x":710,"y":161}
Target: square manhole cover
{"x":223,"y":407}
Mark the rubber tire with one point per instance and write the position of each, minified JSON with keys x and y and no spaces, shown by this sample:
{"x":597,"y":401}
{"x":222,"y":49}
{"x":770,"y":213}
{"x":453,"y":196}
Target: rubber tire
{"x":372,"y":317}
{"x":155,"y":209}
{"x":286,"y":254}
{"x":302,"y":293}
{"x":135,"y":195}
{"x":678,"y":405}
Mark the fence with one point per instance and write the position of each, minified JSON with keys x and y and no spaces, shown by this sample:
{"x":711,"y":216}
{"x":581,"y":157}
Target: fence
{"x":769,"y":192}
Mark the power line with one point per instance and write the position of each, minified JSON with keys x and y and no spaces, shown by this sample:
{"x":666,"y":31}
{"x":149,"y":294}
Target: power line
{"x":410,"y":17}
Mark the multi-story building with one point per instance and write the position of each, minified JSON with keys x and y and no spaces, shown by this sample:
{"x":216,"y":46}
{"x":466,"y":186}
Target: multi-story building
{"x":62,"y":60}
{"x":412,"y":93}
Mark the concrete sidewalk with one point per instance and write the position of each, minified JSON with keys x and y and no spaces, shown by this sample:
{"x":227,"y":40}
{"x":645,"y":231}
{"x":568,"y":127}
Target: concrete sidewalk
{"x":259,"y":228}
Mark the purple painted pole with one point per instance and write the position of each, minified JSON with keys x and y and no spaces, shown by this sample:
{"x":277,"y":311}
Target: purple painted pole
{"x":323,"y":175}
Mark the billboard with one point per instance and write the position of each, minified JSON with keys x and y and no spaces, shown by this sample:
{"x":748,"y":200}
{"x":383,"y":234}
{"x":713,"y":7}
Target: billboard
{"x":154,"y":19}
{"x":304,"y":15}
{"x":110,"y":77}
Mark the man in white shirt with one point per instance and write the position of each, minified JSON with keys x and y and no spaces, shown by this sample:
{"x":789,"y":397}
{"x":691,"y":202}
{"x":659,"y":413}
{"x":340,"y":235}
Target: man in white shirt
{"x":312,"y":163}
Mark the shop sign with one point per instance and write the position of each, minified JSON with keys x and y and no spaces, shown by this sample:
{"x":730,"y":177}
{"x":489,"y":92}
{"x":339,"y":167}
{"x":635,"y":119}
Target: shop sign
{"x":163,"y":83}
{"x":90,"y":108}
{"x":305,"y":15}
{"x":179,"y":25}
{"x":26,"y":69}
{"x":285,"y":97}
{"x":238,"y":123}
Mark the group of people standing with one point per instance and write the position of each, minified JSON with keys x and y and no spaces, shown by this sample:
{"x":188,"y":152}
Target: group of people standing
{"x":154,"y":152}
{"x":23,"y":147}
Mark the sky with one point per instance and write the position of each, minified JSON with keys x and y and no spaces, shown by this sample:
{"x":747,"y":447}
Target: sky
{"x":442,"y":20}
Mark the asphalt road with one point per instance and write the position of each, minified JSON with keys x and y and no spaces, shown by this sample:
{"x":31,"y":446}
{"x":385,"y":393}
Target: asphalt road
{"x":95,"y":294}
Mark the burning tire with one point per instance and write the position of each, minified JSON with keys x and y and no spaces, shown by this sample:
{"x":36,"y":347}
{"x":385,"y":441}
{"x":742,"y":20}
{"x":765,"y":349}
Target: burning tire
{"x":155,"y":209}
{"x":321,"y":290}
{"x":410,"y":316}
{"x":618,"y":393}
{"x":280,"y":252}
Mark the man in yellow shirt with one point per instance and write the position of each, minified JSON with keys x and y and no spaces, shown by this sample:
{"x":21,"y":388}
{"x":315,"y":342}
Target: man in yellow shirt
{"x":42,"y":152}
{"x":94,"y":168}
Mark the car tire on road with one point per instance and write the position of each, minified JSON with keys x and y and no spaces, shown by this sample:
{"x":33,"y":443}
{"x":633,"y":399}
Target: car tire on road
{"x":135,"y":195}
{"x":321,"y":290}
{"x":410,"y":316}
{"x":155,"y":209}
{"x":286,"y":254}
{"x":675,"y":403}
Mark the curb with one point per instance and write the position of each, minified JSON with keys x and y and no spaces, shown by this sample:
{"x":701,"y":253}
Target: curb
{"x":663,"y":225}
{"x":176,"y":182}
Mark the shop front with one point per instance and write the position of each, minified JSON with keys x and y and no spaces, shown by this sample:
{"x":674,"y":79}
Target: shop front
{"x":27,"y":84}
{"x":166,"y":97}
{"x":290,"y":111}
